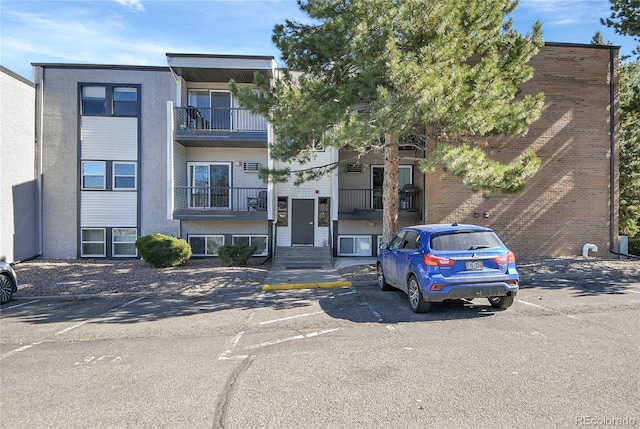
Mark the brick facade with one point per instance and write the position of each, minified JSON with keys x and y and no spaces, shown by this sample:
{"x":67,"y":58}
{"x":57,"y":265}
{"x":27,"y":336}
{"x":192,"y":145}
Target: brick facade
{"x":567,"y":203}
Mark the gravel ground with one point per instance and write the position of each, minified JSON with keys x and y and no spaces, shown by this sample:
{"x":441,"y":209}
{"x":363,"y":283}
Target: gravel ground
{"x":77,"y":277}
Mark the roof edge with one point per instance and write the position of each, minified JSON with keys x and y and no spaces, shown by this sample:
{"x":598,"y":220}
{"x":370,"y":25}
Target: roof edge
{"x":17,"y":76}
{"x":222,"y":56}
{"x":101,"y":66}
{"x":581,"y":45}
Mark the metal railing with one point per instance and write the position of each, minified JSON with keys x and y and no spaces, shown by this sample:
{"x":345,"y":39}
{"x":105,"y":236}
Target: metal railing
{"x":217,"y":119}
{"x":219,"y":198}
{"x":371,"y":199}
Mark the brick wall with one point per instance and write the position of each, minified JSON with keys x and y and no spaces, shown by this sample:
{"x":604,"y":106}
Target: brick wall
{"x":567,"y":203}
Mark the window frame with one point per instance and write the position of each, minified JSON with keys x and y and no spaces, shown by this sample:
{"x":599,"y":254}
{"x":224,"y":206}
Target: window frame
{"x":114,"y":243}
{"x":265,"y":252}
{"x":206,"y":243}
{"x":114,"y":175}
{"x":354,"y":237}
{"x":282,"y":210}
{"x":320,"y":222}
{"x":210,"y":198}
{"x":109,"y":102}
{"x":115,"y":103}
{"x":83,"y":175}
{"x":83,"y":242}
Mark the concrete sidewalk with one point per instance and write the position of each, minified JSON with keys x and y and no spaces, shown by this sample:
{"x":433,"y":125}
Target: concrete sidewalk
{"x":282,"y":278}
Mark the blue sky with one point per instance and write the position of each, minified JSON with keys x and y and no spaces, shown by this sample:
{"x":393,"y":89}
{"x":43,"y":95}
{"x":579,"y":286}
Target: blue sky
{"x":141,"y":32}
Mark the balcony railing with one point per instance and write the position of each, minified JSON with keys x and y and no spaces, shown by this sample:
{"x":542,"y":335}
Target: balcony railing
{"x":220,"y":198}
{"x":218,"y":119}
{"x":354,"y":200}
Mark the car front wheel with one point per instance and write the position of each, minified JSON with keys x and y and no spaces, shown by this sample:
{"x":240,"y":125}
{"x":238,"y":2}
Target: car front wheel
{"x":416,"y":301}
{"x":382,"y":281}
{"x":501,"y":302}
{"x":6,"y":288}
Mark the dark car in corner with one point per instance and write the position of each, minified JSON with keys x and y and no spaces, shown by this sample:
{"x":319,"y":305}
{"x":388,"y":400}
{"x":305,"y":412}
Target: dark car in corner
{"x":8,"y":282}
{"x":433,"y":263}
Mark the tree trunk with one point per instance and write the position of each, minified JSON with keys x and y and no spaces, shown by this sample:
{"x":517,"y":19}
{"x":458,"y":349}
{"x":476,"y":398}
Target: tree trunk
{"x":390,"y":195}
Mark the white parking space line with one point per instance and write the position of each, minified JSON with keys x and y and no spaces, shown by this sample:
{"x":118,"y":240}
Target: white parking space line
{"x":21,"y":305}
{"x":226,"y":353}
{"x":18,"y":350}
{"x":296,"y":337}
{"x":570,"y":316}
{"x":267,"y":322}
{"x":535,"y":305}
{"x":84,"y":322}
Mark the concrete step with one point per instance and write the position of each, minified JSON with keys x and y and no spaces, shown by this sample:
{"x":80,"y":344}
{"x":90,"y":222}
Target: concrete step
{"x":303,"y":257}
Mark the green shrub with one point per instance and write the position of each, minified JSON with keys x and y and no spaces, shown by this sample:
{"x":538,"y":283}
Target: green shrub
{"x":634,"y":246}
{"x":236,"y":255}
{"x":162,"y":250}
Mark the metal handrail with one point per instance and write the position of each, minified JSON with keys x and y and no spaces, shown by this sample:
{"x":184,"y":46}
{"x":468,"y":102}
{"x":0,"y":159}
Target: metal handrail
{"x":219,"y":198}
{"x":217,"y":119}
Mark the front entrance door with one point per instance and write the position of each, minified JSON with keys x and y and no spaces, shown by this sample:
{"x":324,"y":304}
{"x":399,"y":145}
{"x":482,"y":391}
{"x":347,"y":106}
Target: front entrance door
{"x":302,"y":222}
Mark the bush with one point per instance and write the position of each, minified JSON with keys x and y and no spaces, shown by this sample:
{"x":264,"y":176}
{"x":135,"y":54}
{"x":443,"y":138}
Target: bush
{"x":162,"y":250}
{"x":634,"y":246}
{"x":236,"y":255}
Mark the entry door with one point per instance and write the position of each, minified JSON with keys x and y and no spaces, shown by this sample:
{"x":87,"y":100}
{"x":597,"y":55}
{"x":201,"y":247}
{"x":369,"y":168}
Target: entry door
{"x":302,"y":222}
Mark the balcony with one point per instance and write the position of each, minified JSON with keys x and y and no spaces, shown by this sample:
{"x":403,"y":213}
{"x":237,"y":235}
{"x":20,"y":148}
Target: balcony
{"x":192,"y":202}
{"x":219,"y":127}
{"x":366,"y":204}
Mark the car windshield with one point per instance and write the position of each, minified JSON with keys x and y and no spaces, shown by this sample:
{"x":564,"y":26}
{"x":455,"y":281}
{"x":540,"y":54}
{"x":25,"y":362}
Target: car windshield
{"x":465,"y":240}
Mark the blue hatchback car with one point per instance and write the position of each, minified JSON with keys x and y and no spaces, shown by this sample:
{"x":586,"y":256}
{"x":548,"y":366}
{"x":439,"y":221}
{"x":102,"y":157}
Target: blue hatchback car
{"x":433,"y":263}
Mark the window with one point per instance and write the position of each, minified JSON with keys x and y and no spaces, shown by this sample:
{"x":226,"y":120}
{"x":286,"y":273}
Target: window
{"x":250,"y":240}
{"x":124,"y":175}
{"x":94,"y":100}
{"x":323,"y":211}
{"x":93,"y":242}
{"x":124,"y":242}
{"x":209,"y":185}
{"x":283,"y":211}
{"x":125,"y":101}
{"x":466,"y":240}
{"x":405,"y":175}
{"x":354,"y":245}
{"x":93,"y":174}
{"x":214,"y":107}
{"x":109,"y":100}
{"x":205,"y":245}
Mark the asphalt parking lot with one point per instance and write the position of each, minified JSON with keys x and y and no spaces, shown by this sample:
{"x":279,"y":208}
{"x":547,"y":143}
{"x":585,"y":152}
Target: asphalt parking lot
{"x":564,"y":355}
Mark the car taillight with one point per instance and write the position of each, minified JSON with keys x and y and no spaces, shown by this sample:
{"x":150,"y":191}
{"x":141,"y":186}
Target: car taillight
{"x":438,"y":261}
{"x":506,"y":258}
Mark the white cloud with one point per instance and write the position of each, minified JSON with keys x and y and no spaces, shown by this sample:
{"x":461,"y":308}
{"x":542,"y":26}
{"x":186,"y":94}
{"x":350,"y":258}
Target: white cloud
{"x":135,"y":5}
{"x":566,"y":12}
{"x":83,"y":41}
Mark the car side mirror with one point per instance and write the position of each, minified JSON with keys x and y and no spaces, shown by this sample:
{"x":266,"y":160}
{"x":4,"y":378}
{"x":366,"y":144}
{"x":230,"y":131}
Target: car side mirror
{"x":384,"y":246}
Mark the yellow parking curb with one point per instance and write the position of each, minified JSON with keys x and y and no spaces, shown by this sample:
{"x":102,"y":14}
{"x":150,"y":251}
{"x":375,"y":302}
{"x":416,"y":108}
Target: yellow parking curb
{"x":288,"y":286}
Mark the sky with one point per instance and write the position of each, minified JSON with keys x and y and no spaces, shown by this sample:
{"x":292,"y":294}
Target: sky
{"x":141,"y":32}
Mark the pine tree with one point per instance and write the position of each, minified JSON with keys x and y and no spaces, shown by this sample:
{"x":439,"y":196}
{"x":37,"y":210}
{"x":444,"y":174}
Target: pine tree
{"x":629,"y":223}
{"x":369,"y":75}
{"x":625,"y":19}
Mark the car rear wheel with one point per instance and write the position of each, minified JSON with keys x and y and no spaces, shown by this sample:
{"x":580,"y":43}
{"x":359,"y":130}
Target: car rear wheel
{"x":416,"y":301}
{"x":501,"y":302}
{"x":382,"y":281}
{"x":6,"y":288}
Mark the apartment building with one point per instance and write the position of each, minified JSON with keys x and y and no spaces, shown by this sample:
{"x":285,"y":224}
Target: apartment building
{"x":126,"y":151}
